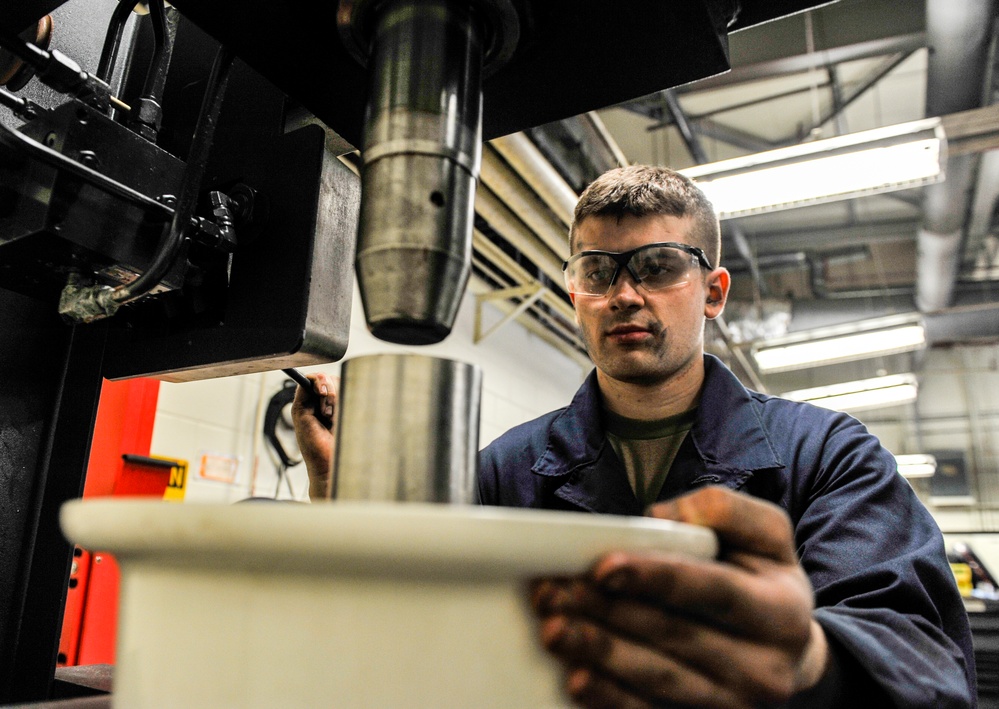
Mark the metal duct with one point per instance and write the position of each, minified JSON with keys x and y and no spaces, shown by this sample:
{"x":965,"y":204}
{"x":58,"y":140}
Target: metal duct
{"x":524,"y":203}
{"x":507,"y":265}
{"x":963,"y":324}
{"x":958,"y":34}
{"x":967,"y":321}
{"x":537,"y":172}
{"x":983,"y":212}
{"x":503,"y":220}
{"x":607,"y":139}
{"x":985,"y":207}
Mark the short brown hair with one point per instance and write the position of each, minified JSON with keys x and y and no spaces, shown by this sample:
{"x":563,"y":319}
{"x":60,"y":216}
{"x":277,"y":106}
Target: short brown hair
{"x":645,"y":190}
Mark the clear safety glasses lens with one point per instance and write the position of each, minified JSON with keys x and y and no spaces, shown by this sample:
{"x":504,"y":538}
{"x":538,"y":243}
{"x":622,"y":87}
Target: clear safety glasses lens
{"x":654,"y":267}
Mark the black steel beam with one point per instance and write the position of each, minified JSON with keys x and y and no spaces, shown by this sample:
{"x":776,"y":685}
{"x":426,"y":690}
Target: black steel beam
{"x":786,"y":66}
{"x":50,"y":379}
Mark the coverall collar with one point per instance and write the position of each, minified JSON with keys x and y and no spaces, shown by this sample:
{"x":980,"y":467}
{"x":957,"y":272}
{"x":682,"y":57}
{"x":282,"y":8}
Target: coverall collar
{"x":712,"y":454}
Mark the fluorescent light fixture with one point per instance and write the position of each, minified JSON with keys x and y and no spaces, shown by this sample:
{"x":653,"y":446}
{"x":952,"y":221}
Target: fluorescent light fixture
{"x":843,"y":343}
{"x":885,"y":159}
{"x":874,"y":393}
{"x":918,"y":465}
{"x":952,"y":500}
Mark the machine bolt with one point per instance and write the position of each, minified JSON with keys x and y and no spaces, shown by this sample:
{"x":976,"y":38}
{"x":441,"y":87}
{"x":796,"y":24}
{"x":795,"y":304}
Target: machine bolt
{"x":88,"y":158}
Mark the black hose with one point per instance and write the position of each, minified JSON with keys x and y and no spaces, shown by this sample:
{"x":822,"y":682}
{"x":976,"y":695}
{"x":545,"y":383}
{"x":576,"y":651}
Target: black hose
{"x":152,"y":86}
{"x":112,"y":41}
{"x":187,"y":201}
{"x":272,"y":417}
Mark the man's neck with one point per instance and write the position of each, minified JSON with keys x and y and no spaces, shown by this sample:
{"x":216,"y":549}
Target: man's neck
{"x":649,"y":402}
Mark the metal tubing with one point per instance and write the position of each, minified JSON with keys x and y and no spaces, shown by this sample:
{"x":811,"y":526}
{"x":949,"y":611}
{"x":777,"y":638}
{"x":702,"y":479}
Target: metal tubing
{"x":959,"y":36}
{"x":187,"y":201}
{"x":407,"y":430}
{"x":503,"y":220}
{"x":528,"y":162}
{"x":155,"y":76}
{"x":524,"y":203}
{"x":422,"y":151}
{"x":112,"y":42}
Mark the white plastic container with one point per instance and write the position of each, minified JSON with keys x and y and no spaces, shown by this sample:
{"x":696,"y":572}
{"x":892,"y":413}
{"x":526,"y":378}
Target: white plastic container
{"x":343,"y":604}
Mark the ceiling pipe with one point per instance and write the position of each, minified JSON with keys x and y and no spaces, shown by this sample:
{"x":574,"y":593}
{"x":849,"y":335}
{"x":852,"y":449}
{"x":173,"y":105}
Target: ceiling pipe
{"x":523,"y":202}
{"x":521,"y":237}
{"x":959,"y":34}
{"x":607,"y":139}
{"x":578,"y":148}
{"x":985,"y":207}
{"x":938,"y":241}
{"x":700,"y":155}
{"x":773,"y":263}
{"x":969,"y":321}
{"x":528,"y":162}
{"x":554,"y":322}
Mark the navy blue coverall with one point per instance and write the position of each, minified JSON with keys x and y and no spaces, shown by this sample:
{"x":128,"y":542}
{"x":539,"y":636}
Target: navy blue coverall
{"x":884,"y":591}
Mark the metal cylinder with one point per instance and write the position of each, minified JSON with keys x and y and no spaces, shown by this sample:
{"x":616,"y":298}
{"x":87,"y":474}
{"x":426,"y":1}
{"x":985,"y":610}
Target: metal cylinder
{"x":422,"y":150}
{"x":407,"y":430}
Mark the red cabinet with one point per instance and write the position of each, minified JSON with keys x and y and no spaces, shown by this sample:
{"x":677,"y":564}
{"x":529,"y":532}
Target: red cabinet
{"x":124,"y":427}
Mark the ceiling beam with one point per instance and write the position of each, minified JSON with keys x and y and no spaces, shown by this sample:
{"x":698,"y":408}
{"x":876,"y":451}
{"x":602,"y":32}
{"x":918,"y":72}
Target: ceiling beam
{"x":825,"y":238}
{"x":841,"y":100}
{"x":799,"y":63}
{"x":700,"y":156}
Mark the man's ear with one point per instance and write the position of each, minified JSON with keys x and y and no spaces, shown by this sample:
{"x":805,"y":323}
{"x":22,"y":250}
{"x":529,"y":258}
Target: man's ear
{"x":718,"y":282}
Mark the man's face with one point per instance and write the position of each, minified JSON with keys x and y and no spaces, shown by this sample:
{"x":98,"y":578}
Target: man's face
{"x":636,"y":336}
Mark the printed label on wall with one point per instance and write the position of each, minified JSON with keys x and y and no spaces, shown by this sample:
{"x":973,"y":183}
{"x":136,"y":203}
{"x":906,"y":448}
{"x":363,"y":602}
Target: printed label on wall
{"x":218,"y":467}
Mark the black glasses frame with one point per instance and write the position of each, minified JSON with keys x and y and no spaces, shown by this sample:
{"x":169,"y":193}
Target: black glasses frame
{"x":623,"y":258}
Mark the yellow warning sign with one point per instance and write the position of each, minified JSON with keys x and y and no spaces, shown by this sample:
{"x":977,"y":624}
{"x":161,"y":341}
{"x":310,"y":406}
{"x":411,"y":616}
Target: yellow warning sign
{"x":177,"y":483}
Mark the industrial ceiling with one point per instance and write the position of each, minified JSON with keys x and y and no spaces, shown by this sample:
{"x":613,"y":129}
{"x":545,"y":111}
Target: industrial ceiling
{"x":932,"y":252}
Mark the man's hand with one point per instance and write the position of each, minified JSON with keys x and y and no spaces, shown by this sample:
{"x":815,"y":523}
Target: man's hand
{"x":312,"y":414}
{"x":643,"y":629}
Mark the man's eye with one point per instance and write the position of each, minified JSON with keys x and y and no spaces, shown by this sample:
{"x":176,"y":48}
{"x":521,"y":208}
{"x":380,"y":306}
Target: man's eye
{"x":598,"y":274}
{"x":656,"y":268}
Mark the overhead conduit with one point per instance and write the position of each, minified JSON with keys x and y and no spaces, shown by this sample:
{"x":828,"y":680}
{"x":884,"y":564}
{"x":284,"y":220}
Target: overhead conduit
{"x":523,"y":200}
{"x":529,"y":204}
{"x":501,"y":181}
{"x":958,"y":33}
{"x":527,"y":160}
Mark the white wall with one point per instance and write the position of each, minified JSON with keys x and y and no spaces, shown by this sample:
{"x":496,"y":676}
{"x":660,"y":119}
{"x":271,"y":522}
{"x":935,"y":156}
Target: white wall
{"x":985,"y":545}
{"x":523,"y":377}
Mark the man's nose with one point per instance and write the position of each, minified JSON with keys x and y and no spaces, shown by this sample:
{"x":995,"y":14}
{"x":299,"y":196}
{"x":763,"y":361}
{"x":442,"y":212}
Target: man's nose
{"x":625,"y":292}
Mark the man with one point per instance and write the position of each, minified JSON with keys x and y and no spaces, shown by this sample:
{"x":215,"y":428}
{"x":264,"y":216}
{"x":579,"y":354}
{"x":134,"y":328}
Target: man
{"x":832,"y":587}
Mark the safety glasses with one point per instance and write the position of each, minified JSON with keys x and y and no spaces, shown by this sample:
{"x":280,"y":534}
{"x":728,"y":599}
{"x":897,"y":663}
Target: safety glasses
{"x":653,"y":266}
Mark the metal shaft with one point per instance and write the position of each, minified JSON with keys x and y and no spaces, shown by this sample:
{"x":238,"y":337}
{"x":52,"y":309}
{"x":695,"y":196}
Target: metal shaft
{"x":422,"y":150}
{"x":407,"y":430}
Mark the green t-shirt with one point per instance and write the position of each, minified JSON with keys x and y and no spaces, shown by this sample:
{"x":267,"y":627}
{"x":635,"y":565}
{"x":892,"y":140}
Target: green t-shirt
{"x":647,"y":448}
